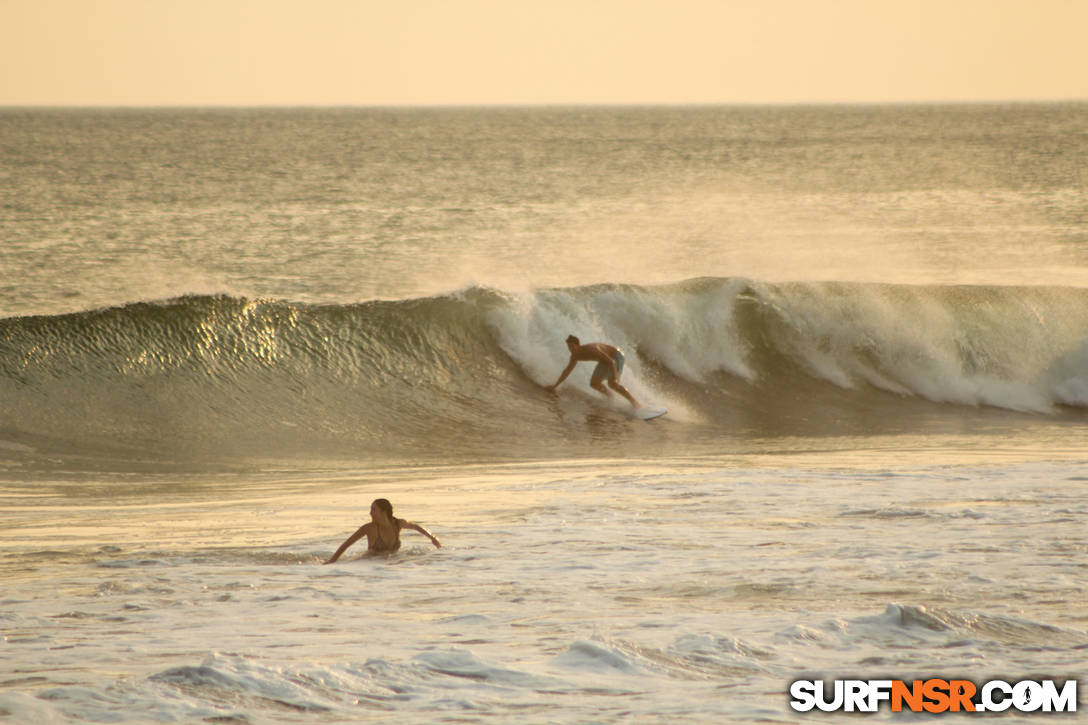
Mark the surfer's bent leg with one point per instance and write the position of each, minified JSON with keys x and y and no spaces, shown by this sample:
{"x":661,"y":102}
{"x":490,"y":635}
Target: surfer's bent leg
{"x":596,"y":380}
{"x":598,"y":385}
{"x":614,"y":383}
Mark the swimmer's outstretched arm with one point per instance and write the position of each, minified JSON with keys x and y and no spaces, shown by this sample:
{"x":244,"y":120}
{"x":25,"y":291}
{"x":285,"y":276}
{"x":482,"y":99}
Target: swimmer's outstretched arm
{"x":350,"y":540}
{"x":416,"y":527}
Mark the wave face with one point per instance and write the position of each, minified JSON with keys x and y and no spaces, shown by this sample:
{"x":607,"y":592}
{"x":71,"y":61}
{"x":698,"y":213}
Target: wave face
{"x":461,"y":374}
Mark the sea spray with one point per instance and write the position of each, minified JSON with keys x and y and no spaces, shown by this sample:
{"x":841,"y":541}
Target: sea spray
{"x":244,"y":375}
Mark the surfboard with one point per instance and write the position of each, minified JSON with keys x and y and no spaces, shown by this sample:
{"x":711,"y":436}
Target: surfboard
{"x":648,"y":413}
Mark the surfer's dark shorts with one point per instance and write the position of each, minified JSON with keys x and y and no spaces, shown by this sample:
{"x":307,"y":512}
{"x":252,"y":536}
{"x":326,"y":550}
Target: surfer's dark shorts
{"x":603,"y":371}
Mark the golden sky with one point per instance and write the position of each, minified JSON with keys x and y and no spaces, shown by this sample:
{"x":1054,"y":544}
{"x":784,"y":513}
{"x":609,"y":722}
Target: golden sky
{"x":426,"y":52}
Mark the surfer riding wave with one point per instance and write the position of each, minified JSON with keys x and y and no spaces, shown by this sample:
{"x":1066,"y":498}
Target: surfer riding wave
{"x":609,"y":361}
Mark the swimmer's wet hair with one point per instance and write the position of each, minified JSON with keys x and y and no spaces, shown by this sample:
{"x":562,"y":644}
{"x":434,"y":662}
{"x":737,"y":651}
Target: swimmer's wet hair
{"x":575,"y":340}
{"x":384,"y":505}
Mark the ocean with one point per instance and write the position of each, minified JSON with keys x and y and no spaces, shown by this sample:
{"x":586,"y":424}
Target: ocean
{"x":224,"y":332}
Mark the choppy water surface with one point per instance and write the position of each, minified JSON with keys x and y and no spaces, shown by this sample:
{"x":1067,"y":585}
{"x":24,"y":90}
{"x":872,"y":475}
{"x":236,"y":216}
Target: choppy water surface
{"x":567,"y":591}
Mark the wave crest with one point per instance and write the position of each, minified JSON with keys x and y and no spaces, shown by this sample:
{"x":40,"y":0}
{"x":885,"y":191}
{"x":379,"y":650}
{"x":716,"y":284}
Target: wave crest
{"x":463,"y":370}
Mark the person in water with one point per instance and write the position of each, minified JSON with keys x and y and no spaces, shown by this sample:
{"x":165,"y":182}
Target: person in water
{"x":383,"y":532}
{"x":609,"y":361}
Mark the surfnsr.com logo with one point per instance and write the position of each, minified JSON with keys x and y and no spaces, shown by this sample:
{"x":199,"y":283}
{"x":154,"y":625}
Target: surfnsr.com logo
{"x":933,"y":696}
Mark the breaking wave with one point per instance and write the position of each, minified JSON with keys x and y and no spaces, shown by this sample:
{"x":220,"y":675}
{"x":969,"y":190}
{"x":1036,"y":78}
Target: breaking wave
{"x":463,"y":372}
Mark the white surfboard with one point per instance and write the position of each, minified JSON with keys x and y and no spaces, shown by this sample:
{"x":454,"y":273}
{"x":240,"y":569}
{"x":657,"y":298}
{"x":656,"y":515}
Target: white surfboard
{"x":648,"y":413}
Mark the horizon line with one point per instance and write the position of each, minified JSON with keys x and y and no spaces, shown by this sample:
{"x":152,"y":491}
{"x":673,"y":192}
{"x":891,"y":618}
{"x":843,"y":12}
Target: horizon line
{"x":547,"y":104}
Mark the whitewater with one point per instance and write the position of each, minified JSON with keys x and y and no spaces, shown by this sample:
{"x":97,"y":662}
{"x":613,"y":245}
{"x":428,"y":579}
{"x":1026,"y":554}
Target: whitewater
{"x":215,"y":376}
{"x":224,"y":332}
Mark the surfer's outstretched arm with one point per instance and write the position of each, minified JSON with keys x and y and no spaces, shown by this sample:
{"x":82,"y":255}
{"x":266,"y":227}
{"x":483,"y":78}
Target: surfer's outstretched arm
{"x":565,"y":373}
{"x":416,"y":527}
{"x":350,"y":540}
